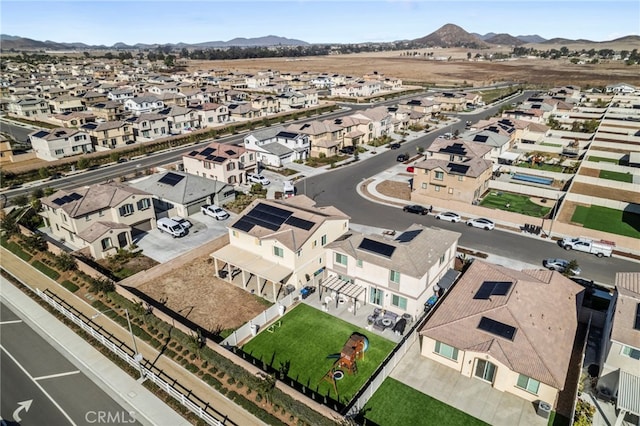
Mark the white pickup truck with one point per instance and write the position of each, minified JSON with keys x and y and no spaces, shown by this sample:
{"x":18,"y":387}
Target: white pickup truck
{"x":599,"y":248}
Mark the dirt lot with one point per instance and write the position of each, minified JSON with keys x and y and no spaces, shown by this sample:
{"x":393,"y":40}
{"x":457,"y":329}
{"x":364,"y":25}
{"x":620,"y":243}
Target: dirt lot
{"x":392,"y":188}
{"x":456,"y":71}
{"x":196,"y":294}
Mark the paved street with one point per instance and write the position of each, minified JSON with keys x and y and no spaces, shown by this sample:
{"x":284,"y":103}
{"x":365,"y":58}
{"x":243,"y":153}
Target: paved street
{"x":34,"y":372}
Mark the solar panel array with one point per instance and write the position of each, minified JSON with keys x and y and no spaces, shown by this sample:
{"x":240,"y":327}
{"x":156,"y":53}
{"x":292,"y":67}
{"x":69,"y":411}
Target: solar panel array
{"x":458,"y":168}
{"x":493,"y":288}
{"x":299,"y":223}
{"x":67,"y":199}
{"x":456,"y":148}
{"x":407,"y":236}
{"x":41,"y":134}
{"x":171,"y":179}
{"x":497,"y":328}
{"x":376,"y":247}
{"x":264,"y":215}
{"x":288,"y":135}
{"x":480,"y":138}
{"x":207,"y":151}
{"x":230,"y":152}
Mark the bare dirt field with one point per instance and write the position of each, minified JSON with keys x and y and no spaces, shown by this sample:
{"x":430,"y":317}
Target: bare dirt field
{"x":456,"y":71}
{"x":392,"y":188}
{"x":192,"y":291}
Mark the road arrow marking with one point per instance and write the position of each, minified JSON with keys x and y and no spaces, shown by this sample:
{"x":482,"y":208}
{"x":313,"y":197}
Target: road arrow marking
{"x":24,"y":405}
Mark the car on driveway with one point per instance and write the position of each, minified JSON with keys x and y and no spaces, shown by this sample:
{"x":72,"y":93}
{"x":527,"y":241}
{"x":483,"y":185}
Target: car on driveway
{"x":349,"y":149}
{"x":185,"y":223}
{"x":559,"y":265}
{"x":394,"y":145}
{"x":481,"y":222}
{"x":415,"y":208}
{"x":449,"y":216}
{"x":256,"y":178}
{"x":214,"y":211}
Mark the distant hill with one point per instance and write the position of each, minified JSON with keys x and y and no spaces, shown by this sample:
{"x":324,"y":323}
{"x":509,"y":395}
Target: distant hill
{"x":531,"y":38}
{"x":485,"y":36}
{"x":504,"y":40}
{"x":451,"y":35}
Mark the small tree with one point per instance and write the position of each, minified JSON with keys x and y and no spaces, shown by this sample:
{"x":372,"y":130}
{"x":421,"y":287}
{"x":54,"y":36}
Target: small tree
{"x":571,"y":266}
{"x":35,"y":242}
{"x":43,"y":172}
{"x":9,"y":225}
{"x":37,"y":193}
{"x":48,"y":191}
{"x":65,"y":262}
{"x":20,"y":200}
{"x":82,"y":163}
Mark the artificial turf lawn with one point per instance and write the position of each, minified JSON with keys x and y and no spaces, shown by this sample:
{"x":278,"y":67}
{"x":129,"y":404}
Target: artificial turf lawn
{"x":395,"y":403}
{"x":608,"y":220}
{"x":305,"y":337}
{"x":517,"y":204}
{"x":620,"y":177}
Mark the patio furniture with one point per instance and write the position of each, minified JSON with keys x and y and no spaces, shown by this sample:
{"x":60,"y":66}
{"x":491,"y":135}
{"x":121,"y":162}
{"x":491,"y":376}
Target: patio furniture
{"x":386,"y":320}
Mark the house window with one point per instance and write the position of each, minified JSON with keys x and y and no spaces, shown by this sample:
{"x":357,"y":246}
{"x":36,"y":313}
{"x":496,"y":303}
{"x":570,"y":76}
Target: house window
{"x":231,"y":166}
{"x":126,"y":210}
{"x":106,"y":243}
{"x":87,"y":217}
{"x":439,"y":175}
{"x":101,"y":213}
{"x":630,"y":352}
{"x":424,"y":185}
{"x":59,"y":151}
{"x":314,"y":243}
{"x":460,"y":178}
{"x":437,"y":188}
{"x":394,"y":276}
{"x":446,"y":351}
{"x":144,"y":204}
{"x":377,"y":296}
{"x":399,"y":301}
{"x":442,"y":259}
{"x":299,"y":253}
{"x":359,"y":263}
{"x":450,"y":190}
{"x":528,"y":384}
{"x":341,"y":259}
{"x":235,"y":234}
{"x":278,"y":251}
{"x":323,"y":240}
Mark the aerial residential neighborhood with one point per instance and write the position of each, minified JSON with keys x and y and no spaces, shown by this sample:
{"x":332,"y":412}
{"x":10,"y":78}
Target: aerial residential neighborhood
{"x":438,"y":230}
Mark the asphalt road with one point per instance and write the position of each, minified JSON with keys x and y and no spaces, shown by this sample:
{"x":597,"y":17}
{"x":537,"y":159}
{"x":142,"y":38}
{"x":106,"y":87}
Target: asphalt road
{"x":16,"y":131}
{"x":39,"y":386}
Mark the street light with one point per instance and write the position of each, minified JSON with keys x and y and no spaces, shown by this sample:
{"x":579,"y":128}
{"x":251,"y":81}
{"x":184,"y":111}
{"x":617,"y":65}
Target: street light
{"x":137,"y":356}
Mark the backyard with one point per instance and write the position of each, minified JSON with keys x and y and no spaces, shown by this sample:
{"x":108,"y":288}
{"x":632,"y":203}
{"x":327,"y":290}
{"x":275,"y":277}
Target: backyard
{"x":514,"y":203}
{"x":620,"y":177}
{"x":304,"y":338}
{"x":608,"y":220}
{"x":394,"y":403}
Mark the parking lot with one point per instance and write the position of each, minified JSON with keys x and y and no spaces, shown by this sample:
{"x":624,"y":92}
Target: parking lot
{"x":162,"y":247}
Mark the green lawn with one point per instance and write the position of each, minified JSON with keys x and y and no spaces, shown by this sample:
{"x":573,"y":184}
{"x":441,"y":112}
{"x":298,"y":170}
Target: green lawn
{"x":54,"y":275}
{"x":395,"y":403}
{"x":517,"y":204}
{"x":305,"y":338}
{"x":621,"y":177}
{"x":603,"y":159}
{"x":543,"y":166}
{"x":557,"y":145}
{"x":608,"y":220}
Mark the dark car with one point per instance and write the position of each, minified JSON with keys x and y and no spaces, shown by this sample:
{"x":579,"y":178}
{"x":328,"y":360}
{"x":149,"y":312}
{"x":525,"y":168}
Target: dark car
{"x":415,"y":208}
{"x":349,"y":150}
{"x":394,"y":145}
{"x":402,"y":157}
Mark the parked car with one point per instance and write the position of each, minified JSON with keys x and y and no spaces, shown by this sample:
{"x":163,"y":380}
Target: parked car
{"x":402,"y":157}
{"x":214,"y":211}
{"x":449,"y":216}
{"x":349,"y":150}
{"x":410,"y":169}
{"x":256,"y":178}
{"x":171,"y":227}
{"x":394,"y":145}
{"x":559,"y":265}
{"x":417,"y":209}
{"x":481,"y":222}
{"x":185,"y":223}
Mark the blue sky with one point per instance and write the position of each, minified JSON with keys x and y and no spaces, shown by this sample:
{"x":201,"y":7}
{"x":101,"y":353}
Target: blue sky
{"x":328,"y":21}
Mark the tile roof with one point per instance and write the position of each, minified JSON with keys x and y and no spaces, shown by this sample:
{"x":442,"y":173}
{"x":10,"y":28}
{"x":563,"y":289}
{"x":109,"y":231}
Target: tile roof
{"x":542,"y":305}
{"x":187,"y":190}
{"x":217,"y":149}
{"x":55,"y":134}
{"x":90,"y":199}
{"x":98,"y":229}
{"x":473,"y":168}
{"x":627,"y":306}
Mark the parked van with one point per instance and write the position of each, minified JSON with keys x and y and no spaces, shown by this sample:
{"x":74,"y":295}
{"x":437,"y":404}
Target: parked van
{"x":289,"y":189}
{"x":170,"y":226}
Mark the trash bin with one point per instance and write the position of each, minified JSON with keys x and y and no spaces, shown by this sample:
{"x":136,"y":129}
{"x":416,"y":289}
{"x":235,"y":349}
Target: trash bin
{"x":544,"y":409}
{"x":254,"y":329}
{"x":281,"y":309}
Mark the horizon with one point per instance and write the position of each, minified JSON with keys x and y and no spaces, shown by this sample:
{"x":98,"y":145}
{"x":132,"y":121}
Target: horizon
{"x":378,"y":21}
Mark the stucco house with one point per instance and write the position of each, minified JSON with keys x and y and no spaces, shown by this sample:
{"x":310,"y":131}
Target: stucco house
{"x":181,"y":119}
{"x":212,"y":114}
{"x":512,"y":329}
{"x":101,"y":218}
{"x":30,"y":107}
{"x":277,"y":246}
{"x":53,"y":144}
{"x":396,"y":273}
{"x":148,"y":126}
{"x":274,"y":146}
{"x":143,"y":104}
{"x":110,"y":134}
{"x":222,"y":162}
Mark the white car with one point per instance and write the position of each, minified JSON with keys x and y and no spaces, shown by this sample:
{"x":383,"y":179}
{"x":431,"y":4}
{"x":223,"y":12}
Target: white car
{"x":482,"y":223}
{"x":185,"y":223}
{"x":450,"y":216}
{"x":214,"y":211}
{"x":258,"y":179}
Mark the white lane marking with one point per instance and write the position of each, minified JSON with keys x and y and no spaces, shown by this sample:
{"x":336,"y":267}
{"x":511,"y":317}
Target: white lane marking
{"x":10,"y":322}
{"x":51,"y":376}
{"x":38,"y":385}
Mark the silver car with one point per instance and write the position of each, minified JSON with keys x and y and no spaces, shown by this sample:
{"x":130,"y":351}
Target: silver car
{"x":449,"y":216}
{"x":559,"y":265}
{"x":214,"y":211}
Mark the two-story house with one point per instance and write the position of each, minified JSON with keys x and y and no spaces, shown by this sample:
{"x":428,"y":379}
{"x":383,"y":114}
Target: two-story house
{"x":212,"y":114}
{"x":66,"y":103}
{"x":121,"y":94}
{"x":397,"y":273}
{"x":452,"y":170}
{"x":514,"y":330}
{"x":110,"y":134}
{"x":107,"y":111}
{"x":102,"y":217}
{"x":73,"y":119}
{"x":149,"y":126}
{"x":181,"y":119}
{"x":30,"y":107}
{"x":143,"y":104}
{"x":276,"y":244}
{"x":222,"y":162}
{"x":274,"y":146}
{"x":53,"y":144}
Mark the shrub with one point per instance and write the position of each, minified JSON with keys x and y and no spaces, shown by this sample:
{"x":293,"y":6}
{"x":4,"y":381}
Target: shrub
{"x":70,"y":286}
{"x":231,"y":380}
{"x":192,"y":368}
{"x":258,"y":397}
{"x":65,"y":262}
{"x":54,"y":275}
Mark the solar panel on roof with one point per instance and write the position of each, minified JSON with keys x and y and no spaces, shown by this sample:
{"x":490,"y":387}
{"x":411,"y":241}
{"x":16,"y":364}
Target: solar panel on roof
{"x":407,"y":236}
{"x":41,"y":134}
{"x":377,"y":247}
{"x":243,"y":225}
{"x":456,"y":148}
{"x":207,"y":151}
{"x":493,"y":288}
{"x":75,"y":196}
{"x":484,"y":292}
{"x":502,"y":288}
{"x":193,"y":153}
{"x":276,"y":211}
{"x":171,"y":179}
{"x":230,"y":152}
{"x":288,"y":135}
{"x":481,"y":138}
{"x":497,"y":328}
{"x":458,"y":168}
{"x":299,"y":223}
{"x":58,"y":201}
{"x":216,"y":159}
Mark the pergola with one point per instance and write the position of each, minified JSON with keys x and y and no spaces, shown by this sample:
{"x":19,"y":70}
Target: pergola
{"x":250,"y":265}
{"x":341,"y":288}
{"x":628,"y":395}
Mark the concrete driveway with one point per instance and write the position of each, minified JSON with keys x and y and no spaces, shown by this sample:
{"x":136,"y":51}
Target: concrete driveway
{"x":162,"y":247}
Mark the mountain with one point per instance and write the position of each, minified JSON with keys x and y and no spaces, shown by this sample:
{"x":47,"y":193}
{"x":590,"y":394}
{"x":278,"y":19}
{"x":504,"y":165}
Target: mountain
{"x":504,"y":40}
{"x":451,"y":35}
{"x":484,"y":37}
{"x":531,"y":38}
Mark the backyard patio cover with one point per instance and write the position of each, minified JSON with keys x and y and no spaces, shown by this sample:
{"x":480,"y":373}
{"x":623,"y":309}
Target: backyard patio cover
{"x":251,"y":262}
{"x":340,"y":286}
{"x":628,"y":394}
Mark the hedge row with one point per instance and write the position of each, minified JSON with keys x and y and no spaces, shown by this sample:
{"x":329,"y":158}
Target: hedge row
{"x":54,"y":275}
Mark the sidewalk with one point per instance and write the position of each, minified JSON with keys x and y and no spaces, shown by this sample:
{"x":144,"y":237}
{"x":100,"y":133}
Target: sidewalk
{"x":35,"y":279}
